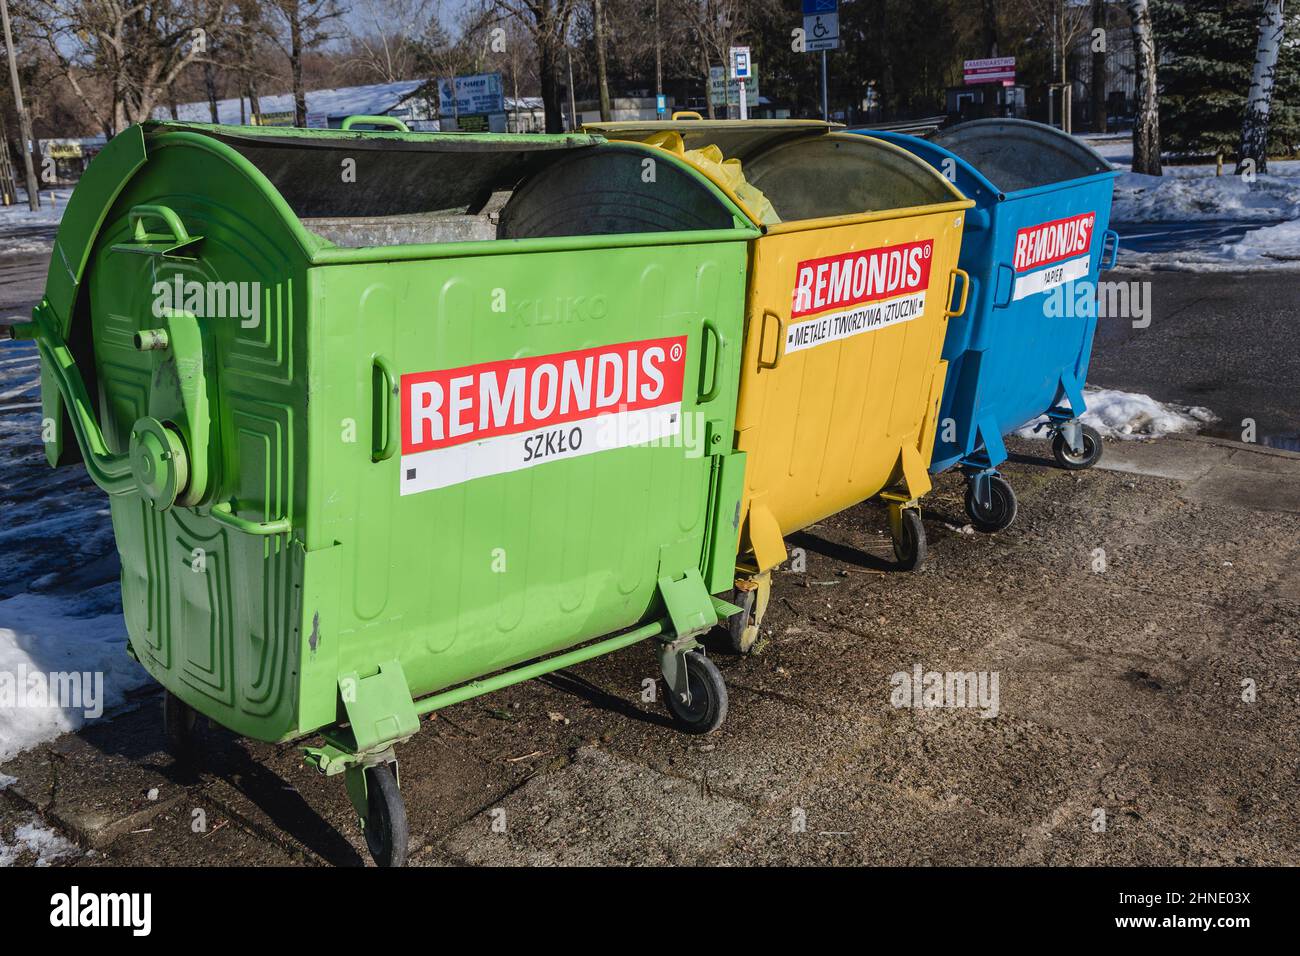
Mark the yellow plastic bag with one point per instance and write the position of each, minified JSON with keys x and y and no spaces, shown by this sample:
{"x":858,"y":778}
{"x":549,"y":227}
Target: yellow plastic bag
{"x":727,"y":172}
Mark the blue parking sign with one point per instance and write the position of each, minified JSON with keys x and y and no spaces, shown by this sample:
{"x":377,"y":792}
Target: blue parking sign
{"x":813,"y":7}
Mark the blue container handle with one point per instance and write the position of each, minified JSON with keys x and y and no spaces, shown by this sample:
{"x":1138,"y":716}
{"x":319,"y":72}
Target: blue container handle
{"x":1112,"y":237}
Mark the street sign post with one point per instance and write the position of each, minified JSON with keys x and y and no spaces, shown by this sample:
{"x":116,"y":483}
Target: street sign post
{"x":821,"y":32}
{"x":741,"y":70}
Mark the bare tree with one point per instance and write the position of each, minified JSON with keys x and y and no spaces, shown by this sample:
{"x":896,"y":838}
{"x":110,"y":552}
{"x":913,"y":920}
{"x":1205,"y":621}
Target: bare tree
{"x":716,"y":26}
{"x":305,"y":25}
{"x":387,"y":36}
{"x":1064,"y":23}
{"x":1254,"y":126}
{"x":121,"y":57}
{"x":1146,"y":128}
{"x":547,"y":22}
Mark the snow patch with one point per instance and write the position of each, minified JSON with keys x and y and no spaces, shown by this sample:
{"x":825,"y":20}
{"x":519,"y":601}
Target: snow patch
{"x":1127,"y":415}
{"x":31,"y":840}
{"x":41,"y":635}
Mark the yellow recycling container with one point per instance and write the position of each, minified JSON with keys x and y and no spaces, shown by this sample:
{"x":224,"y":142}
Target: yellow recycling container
{"x":851,"y":286}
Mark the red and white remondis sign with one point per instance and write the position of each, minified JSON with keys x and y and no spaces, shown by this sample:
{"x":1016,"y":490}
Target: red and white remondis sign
{"x":856,"y":292}
{"x":1062,"y":244}
{"x":464,"y":423}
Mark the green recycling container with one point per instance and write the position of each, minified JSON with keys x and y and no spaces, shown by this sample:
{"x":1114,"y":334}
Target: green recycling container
{"x":390,"y":420}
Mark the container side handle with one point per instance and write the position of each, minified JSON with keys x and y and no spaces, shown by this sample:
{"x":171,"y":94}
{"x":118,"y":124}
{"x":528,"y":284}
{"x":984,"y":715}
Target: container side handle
{"x":175,"y":243}
{"x":965,"y":292}
{"x":1005,"y":286}
{"x":224,"y":513}
{"x":686,"y":115}
{"x":780,"y":340}
{"x":390,"y":122}
{"x":385,"y":416}
{"x":1111,"y":237}
{"x":111,"y":472}
{"x":719,"y":346}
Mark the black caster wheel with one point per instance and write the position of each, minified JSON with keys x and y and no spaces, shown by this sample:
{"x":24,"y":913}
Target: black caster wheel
{"x":387,"y":833}
{"x":1001,"y":510}
{"x":180,"y":725}
{"x":740,"y":627}
{"x":1090,"y":455}
{"x":708,"y":705}
{"x":909,"y":546}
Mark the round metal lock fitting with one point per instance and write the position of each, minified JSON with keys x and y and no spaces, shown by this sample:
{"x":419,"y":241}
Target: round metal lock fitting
{"x":158,"y":462}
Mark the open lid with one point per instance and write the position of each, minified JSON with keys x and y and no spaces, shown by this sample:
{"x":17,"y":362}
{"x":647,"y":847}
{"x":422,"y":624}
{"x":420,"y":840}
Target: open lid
{"x":420,"y":172}
{"x":1016,"y":154}
{"x":738,"y":139}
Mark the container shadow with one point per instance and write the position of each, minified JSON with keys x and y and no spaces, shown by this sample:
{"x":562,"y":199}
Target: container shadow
{"x":570,"y":683}
{"x":138,"y":737}
{"x":840,"y":552}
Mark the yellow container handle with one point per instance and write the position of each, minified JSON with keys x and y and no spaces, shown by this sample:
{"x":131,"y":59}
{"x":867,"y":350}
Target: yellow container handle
{"x":780,"y":341}
{"x":687,"y":114}
{"x":965,"y":292}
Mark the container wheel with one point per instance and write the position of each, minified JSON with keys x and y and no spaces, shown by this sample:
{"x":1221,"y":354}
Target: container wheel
{"x":708,"y":705}
{"x":1068,"y":460}
{"x":387,"y":833}
{"x":1001,"y":511}
{"x":739,"y":626}
{"x":909,"y":545}
{"x":180,"y":726}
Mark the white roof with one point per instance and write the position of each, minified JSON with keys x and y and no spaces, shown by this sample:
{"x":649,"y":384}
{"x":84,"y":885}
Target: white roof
{"x":375,"y":99}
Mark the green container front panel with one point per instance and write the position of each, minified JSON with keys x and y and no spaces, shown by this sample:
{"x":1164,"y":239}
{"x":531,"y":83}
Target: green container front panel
{"x":503,"y":544}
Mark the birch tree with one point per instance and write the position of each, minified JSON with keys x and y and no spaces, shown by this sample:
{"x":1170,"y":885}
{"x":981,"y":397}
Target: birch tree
{"x":1146,"y":127}
{"x":1254,"y":126}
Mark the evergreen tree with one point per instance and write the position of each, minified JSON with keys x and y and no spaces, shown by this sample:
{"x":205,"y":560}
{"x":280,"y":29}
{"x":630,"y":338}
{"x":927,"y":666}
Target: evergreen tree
{"x":1207,"y":50}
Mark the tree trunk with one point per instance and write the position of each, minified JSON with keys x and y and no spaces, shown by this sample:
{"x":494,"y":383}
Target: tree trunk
{"x":1146,"y":128}
{"x":1254,"y":127}
{"x":550,"y":88}
{"x":989,"y":28}
{"x":708,"y":82}
{"x":210,"y":84}
{"x":295,"y":65}
{"x":602,"y":75}
{"x":1098,"y":87}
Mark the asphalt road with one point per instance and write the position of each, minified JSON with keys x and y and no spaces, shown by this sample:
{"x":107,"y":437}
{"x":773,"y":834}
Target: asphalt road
{"x":1227,"y":341}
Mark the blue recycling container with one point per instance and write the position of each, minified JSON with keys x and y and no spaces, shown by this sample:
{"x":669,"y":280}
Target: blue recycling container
{"x":1034,"y":246}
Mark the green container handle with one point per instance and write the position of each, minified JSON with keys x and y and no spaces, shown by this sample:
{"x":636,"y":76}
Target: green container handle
{"x":386,"y":408}
{"x":709,"y":328}
{"x":224,"y":513}
{"x":392,"y":122}
{"x":139,"y":214}
{"x":111,"y":472}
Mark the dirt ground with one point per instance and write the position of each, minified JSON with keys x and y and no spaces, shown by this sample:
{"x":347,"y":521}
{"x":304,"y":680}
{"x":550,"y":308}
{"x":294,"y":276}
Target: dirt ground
{"x":1127,"y":615}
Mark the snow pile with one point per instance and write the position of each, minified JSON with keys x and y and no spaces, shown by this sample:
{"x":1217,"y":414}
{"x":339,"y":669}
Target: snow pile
{"x":1267,"y":246}
{"x":22,"y":230}
{"x":33,"y":840}
{"x":1195,"y":194}
{"x":41,"y":636}
{"x":1123,"y":415}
